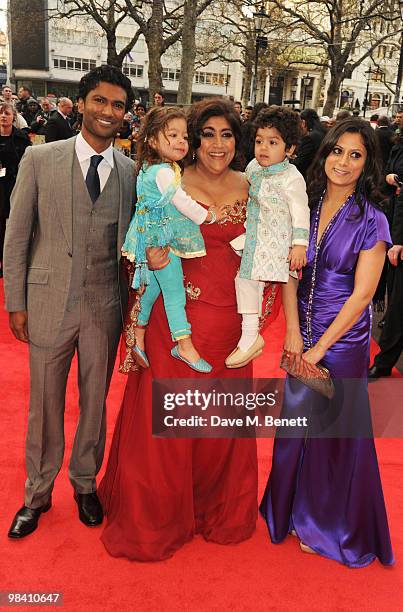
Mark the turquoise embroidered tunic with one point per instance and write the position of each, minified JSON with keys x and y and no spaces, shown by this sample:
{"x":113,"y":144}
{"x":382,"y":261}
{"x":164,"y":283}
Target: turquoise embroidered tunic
{"x":277,"y":218}
{"x":157,"y":222}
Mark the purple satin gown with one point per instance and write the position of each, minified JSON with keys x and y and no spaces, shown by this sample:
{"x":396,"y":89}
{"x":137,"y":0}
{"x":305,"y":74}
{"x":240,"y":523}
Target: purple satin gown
{"x":329,"y":490}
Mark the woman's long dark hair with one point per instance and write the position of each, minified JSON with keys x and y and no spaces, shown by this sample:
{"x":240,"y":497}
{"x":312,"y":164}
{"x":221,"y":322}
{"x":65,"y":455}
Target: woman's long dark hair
{"x":367,"y":187}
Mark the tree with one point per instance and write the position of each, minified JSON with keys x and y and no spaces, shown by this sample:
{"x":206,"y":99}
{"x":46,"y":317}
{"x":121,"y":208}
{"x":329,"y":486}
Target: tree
{"x":345,"y":30}
{"x":233,"y":39}
{"x":108,"y":14}
{"x":160,"y":26}
{"x":162,"y":29}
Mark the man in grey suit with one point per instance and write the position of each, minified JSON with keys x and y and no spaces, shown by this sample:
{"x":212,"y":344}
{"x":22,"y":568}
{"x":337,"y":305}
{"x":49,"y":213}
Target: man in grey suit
{"x":70,"y":211}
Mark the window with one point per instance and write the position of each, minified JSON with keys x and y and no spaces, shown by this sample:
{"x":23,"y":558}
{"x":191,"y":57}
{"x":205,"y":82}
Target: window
{"x":211,"y":78}
{"x":170,"y":74}
{"x":382,"y":49}
{"x":375,"y":100}
{"x":133,"y":70}
{"x":74,"y":63}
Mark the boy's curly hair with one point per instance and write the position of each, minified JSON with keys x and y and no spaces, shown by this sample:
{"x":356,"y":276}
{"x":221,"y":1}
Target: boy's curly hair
{"x":284,"y":120}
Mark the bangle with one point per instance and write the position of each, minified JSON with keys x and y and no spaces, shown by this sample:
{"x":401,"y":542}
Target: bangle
{"x":213,"y":217}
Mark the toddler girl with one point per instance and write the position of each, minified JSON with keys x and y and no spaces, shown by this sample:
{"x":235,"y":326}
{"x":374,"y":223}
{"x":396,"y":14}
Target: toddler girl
{"x":165,"y":216}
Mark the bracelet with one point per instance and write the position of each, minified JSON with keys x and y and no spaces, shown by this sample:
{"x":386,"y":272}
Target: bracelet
{"x":213,"y":217}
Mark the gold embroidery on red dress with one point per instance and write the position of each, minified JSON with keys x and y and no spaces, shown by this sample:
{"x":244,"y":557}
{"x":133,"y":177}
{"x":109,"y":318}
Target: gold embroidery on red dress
{"x":236,"y":213}
{"x":269,"y":296}
{"x":192,"y":292}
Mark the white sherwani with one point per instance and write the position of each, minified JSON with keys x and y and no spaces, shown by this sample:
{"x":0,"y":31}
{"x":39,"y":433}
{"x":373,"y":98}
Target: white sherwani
{"x":277,"y":218}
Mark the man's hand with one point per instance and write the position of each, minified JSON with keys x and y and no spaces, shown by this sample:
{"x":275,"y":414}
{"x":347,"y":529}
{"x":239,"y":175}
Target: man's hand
{"x":18,"y":322}
{"x":395,"y":253}
{"x":157,"y":257}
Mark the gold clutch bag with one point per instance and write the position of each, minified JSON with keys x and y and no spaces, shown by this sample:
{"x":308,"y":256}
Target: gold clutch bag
{"x":323,"y":384}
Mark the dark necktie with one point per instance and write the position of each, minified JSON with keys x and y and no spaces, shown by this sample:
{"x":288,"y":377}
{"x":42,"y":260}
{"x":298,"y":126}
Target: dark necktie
{"x":92,"y":178}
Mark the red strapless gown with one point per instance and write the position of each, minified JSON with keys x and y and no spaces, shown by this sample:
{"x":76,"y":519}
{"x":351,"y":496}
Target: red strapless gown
{"x":158,"y":493}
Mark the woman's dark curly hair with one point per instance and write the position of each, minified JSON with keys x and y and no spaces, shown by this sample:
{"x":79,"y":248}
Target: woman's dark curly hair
{"x":284,"y":120}
{"x":200,"y":113}
{"x":367,"y":187}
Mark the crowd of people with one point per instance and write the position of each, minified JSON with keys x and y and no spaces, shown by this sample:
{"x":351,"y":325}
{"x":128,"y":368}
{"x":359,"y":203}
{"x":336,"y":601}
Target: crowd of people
{"x":313,"y":197}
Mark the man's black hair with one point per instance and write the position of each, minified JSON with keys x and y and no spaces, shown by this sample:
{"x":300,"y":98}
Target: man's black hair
{"x":105,"y":74}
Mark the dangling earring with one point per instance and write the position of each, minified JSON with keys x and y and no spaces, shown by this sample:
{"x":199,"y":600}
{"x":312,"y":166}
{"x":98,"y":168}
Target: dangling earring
{"x":194,"y":157}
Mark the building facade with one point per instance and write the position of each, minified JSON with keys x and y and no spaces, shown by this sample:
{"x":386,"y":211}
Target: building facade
{"x":65,"y":49}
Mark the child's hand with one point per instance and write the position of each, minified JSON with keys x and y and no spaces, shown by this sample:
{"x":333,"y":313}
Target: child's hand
{"x":297,"y":257}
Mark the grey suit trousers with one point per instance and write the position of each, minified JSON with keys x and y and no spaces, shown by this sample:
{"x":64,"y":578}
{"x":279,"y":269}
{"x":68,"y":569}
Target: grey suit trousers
{"x":91,"y":327}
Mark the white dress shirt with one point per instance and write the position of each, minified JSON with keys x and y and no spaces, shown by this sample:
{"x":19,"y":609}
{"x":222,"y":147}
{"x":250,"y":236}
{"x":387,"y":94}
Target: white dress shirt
{"x":84,"y":152}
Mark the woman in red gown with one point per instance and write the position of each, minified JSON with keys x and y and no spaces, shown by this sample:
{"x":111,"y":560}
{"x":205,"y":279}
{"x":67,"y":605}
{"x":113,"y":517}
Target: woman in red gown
{"x":158,"y":493}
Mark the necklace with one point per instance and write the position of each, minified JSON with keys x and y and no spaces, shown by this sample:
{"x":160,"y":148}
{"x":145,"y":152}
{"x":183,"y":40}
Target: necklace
{"x":316,"y":257}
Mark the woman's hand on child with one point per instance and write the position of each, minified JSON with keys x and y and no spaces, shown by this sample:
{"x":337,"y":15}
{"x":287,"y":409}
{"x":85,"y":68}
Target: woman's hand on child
{"x":297,"y":257}
{"x":157,"y":257}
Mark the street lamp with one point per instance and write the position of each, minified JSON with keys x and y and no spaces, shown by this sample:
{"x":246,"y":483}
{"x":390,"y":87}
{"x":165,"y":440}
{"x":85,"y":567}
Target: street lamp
{"x":306,"y":82}
{"x":375,"y":75}
{"x":259,"y":19}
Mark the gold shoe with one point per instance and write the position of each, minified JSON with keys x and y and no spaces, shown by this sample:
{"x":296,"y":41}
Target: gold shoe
{"x":307,"y":549}
{"x":238,"y":358}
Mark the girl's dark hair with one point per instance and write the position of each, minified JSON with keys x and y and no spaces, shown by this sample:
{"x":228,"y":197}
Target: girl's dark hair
{"x":106,"y":74}
{"x":202,"y":111}
{"x":367,"y":187}
{"x":160,"y":93}
{"x":155,"y":122}
{"x":284,"y":120}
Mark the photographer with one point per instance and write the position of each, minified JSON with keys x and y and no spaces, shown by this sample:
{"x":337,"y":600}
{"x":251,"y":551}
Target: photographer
{"x":38,"y":125}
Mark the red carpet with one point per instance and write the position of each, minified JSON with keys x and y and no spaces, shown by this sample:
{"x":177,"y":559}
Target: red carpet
{"x":64,"y":556}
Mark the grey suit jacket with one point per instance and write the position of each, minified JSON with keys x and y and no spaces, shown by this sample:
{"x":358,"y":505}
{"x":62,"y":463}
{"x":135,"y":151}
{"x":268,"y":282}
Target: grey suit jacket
{"x":39,"y":236}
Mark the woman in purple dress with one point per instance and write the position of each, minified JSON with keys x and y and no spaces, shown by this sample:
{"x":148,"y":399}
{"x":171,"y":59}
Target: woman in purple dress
{"x":327,"y":491}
